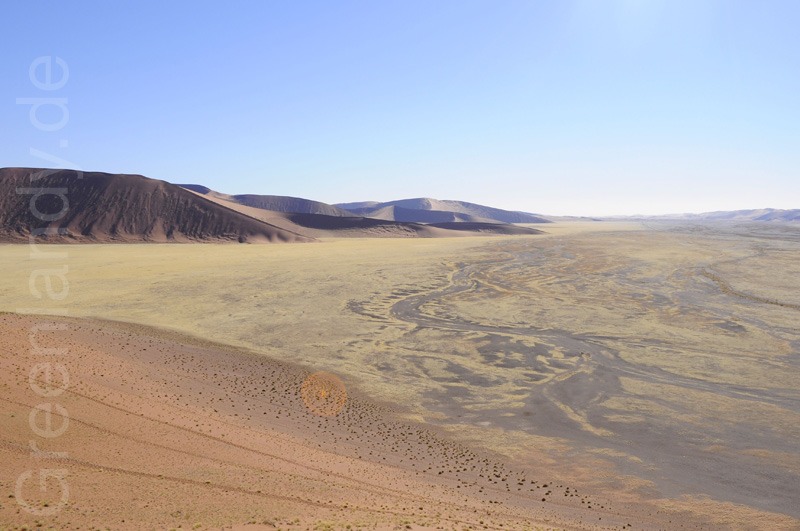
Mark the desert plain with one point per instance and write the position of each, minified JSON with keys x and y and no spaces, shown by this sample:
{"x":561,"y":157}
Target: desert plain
{"x":602,"y":375}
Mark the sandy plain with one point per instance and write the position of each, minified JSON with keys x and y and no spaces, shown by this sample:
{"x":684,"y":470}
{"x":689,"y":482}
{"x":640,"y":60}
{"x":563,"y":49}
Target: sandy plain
{"x":653,"y":368}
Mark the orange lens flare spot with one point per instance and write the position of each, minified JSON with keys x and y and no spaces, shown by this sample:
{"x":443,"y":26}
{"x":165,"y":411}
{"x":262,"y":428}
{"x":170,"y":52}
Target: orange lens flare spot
{"x":324,"y":394}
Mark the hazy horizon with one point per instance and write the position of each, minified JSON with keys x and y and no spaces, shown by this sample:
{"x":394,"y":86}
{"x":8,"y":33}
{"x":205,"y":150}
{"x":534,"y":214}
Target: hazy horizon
{"x":561,"y":108}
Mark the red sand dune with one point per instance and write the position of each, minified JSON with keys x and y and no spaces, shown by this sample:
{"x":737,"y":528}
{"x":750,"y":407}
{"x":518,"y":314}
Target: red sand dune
{"x":158,"y":431}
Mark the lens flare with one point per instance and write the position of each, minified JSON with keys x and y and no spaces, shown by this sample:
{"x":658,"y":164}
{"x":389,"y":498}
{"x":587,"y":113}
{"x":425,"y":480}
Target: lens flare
{"x":324,"y":394}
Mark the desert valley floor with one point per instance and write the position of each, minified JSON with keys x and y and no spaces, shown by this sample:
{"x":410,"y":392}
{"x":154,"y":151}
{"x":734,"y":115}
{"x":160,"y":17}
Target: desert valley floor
{"x":603,"y":375}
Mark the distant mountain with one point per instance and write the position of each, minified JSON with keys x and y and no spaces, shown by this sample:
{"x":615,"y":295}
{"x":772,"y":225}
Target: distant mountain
{"x":105,"y":207}
{"x":762,"y":214}
{"x":780,"y":215}
{"x":275,"y":203}
{"x":426,"y":210}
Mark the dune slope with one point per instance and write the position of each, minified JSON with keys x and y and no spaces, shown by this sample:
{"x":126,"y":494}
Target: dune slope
{"x":162,"y":431}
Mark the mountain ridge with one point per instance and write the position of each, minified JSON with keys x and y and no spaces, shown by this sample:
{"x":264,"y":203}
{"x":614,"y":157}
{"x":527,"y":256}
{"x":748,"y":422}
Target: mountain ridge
{"x":752,"y":214}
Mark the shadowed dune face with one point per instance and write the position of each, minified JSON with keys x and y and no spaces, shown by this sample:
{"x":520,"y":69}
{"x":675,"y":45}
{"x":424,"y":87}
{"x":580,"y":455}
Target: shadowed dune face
{"x":487,"y":228}
{"x":375,"y":227}
{"x":99,"y":207}
{"x":652,"y":363}
{"x":289,"y":204}
{"x":398,"y":213}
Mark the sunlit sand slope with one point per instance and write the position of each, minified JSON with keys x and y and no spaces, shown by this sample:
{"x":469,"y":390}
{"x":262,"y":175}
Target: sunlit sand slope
{"x":144,"y":429}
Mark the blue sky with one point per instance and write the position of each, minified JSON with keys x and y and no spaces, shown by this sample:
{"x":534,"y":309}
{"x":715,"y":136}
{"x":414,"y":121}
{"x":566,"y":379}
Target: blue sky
{"x":562,"y":107}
